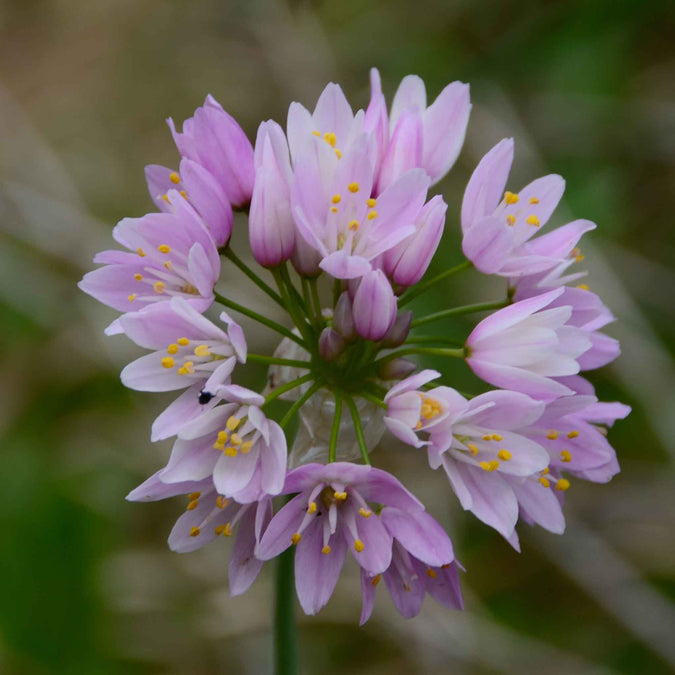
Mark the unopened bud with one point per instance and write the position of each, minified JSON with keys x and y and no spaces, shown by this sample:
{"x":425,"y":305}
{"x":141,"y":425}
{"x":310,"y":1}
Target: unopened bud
{"x":331,"y":344}
{"x":398,"y":333}
{"x":397,"y":369}
{"x":343,"y":319}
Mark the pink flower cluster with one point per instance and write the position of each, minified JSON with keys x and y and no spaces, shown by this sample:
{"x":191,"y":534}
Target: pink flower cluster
{"x":343,"y":196}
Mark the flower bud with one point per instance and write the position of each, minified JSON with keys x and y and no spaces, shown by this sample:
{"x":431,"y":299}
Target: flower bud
{"x":213,"y":139}
{"x":374,"y":306}
{"x":305,"y":259}
{"x":271,"y":225}
{"x":376,"y":121}
{"x":331,"y":344}
{"x":343,"y":319}
{"x":398,"y":333}
{"x":404,"y":151}
{"x":406,"y":263}
{"x":397,"y":369}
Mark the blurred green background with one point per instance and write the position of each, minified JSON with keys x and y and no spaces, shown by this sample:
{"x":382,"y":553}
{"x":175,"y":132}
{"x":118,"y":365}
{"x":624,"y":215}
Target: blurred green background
{"x":87,"y":584}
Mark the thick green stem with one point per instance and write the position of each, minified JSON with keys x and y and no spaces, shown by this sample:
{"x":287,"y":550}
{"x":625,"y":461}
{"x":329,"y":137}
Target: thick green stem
{"x":273,"y":325}
{"x":231,"y":255}
{"x":273,"y":360}
{"x":431,"y":351}
{"x":275,"y":393}
{"x":426,"y":285}
{"x":455,"y":311}
{"x":335,"y":429}
{"x":299,"y":403}
{"x":285,"y":632}
{"x":358,"y":430}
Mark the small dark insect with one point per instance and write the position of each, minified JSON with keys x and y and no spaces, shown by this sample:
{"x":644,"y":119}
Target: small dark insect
{"x":204,"y":397}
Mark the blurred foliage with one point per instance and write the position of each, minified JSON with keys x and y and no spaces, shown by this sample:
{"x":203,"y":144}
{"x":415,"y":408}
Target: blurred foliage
{"x":87,"y":585}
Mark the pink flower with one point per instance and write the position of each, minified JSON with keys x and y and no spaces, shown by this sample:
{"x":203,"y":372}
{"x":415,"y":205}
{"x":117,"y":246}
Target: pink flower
{"x":190,"y":353}
{"x":235,"y":443}
{"x":271,"y":225}
{"x":525,"y":345}
{"x":209,"y":516}
{"x":331,"y":513}
{"x":374,"y":306}
{"x":429,"y":138}
{"x":422,"y":561}
{"x":497,"y":225}
{"x":170,"y":254}
{"x":213,"y":139}
{"x":201,"y":190}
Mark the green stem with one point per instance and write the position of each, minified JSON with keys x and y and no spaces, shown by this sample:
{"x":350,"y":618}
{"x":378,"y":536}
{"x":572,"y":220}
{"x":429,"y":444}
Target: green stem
{"x":273,"y":360}
{"x":358,"y":429}
{"x":425,"y":285}
{"x":373,"y":399}
{"x":337,"y":291}
{"x":307,"y":298}
{"x":455,"y":311}
{"x":285,"y":631}
{"x":431,"y":339}
{"x":231,"y":255}
{"x":275,"y":393}
{"x":431,"y":351}
{"x":299,"y":403}
{"x":335,"y":429}
{"x":292,"y":304}
{"x":282,"y":330}
{"x":316,"y":300}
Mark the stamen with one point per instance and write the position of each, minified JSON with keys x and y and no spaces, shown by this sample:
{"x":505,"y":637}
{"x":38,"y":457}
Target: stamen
{"x":138,"y":277}
{"x":194,"y":495}
{"x":236,"y":439}
{"x":353,"y":225}
{"x":167,"y":264}
{"x":167,"y":362}
{"x":232,"y":422}
{"x":311,"y":508}
{"x":231,"y":452}
{"x":131,"y":297}
{"x":511,"y":198}
{"x":545,"y":472}
{"x":366,"y":513}
{"x":317,"y":133}
{"x":330,"y":138}
{"x":140,"y":252}
{"x":166,"y":199}
{"x":545,"y":482}
{"x":195,"y":532}
{"x":174,"y":178}
{"x":552,"y":434}
{"x":358,"y":545}
{"x":487,"y":437}
{"x":371,"y":202}
{"x":172,"y":349}
{"x":334,"y":209}
{"x":183,"y":194}
{"x":565,"y":456}
{"x":338,"y":154}
{"x":376,"y":579}
{"x":163,"y":248}
{"x":222,"y":502}
{"x":372,"y":215}
{"x":193,"y":505}
{"x":497,"y":437}
{"x":202,"y":350}
{"x":583,"y":287}
{"x":296,"y":538}
{"x":431,"y":573}
{"x":159,"y":287}
{"x":492,"y":465}
{"x":336,"y":199}
{"x":504,"y":455}
{"x":472,"y":448}
{"x":563,"y":484}
{"x":511,"y":219}
{"x":354,"y":187}
{"x":184,"y":342}
{"x":533,"y":220}
{"x":534,"y":200}
{"x":340,"y":495}
{"x":573,"y":434}
{"x":245,"y":448}
{"x":325,"y":550}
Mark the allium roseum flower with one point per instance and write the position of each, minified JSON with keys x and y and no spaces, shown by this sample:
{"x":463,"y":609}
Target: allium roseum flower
{"x":342,"y":197}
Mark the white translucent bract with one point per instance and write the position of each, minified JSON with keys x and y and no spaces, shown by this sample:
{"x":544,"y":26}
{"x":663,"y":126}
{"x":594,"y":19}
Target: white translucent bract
{"x":316,"y":416}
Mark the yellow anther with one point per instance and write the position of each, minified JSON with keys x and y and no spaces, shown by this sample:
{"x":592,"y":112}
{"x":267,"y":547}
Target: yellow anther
{"x":225,"y":530}
{"x":354,"y":187}
{"x":545,"y":482}
{"x":163,"y":248}
{"x":232,"y":423}
{"x":545,"y":472}
{"x":511,"y":219}
{"x":504,"y":455}
{"x":366,"y":513}
{"x":219,"y":445}
{"x":296,"y":538}
{"x":353,"y":225}
{"x":195,"y":532}
{"x":426,"y":411}
{"x":534,"y":200}
{"x":371,"y":202}
{"x":372,"y":215}
{"x":131,"y":297}
{"x":159,"y":286}
{"x":202,"y":350}
{"x":167,"y":264}
{"x":194,"y":495}
{"x":492,"y":465}
{"x":336,"y":199}
{"x":341,"y":241}
{"x":431,"y":573}
{"x":140,"y":252}
{"x":230,"y":451}
{"x":338,"y":154}
{"x":183,"y":194}
{"x":418,"y":425}
{"x":358,"y":545}
{"x":573,"y":434}
{"x":334,"y":209}
{"x":340,"y":495}
{"x":138,"y":277}
{"x":222,"y":436}
{"x":172,"y":349}
{"x":245,"y":448}
{"x":193,"y":505}
{"x":330,"y":138}
{"x":533,"y":220}
{"x":473,"y":449}
{"x":552,"y":434}
{"x":317,"y":133}
{"x":311,"y":508}
{"x":487,"y":437}
{"x":325,"y":550}
{"x":166,"y":199}
{"x":583,"y":287}
{"x":236,"y":439}
{"x":183,"y":341}
{"x":563,"y":484}
{"x":187,"y":368}
{"x":167,"y":362}
{"x":497,"y":437}
{"x":511,"y":198}
{"x":219,"y":529}
{"x":174,"y":178}
{"x":222,"y":502}
{"x":565,"y":456}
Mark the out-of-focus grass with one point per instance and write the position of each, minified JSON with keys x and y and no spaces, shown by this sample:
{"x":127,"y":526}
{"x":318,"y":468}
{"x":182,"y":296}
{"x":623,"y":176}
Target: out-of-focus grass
{"x":86,"y":582}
